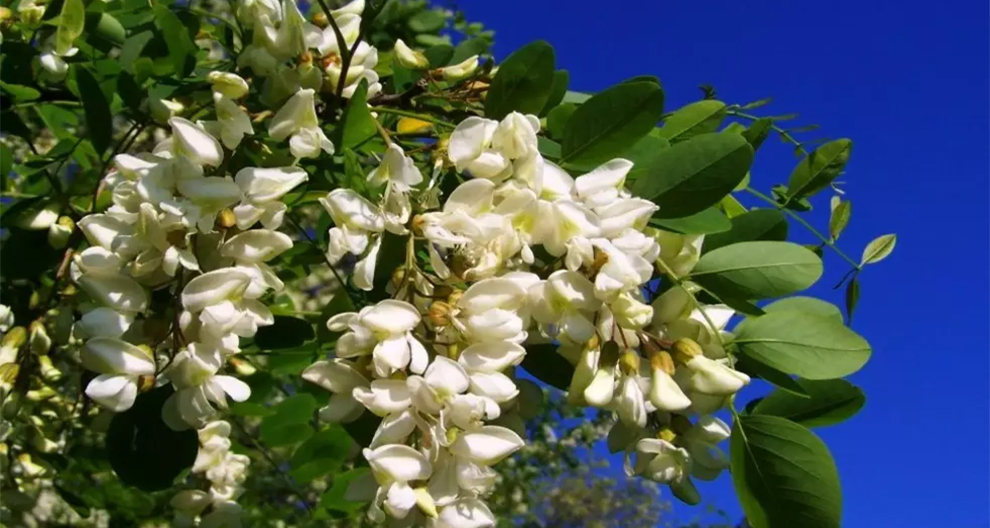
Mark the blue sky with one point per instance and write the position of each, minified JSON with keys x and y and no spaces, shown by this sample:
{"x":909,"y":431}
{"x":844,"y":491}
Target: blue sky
{"x":908,"y":82}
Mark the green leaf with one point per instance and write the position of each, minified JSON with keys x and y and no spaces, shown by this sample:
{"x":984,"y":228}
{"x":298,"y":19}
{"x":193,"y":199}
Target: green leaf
{"x":757,"y":224}
{"x":771,"y":375}
{"x":106,"y":27}
{"x":694,"y":175}
{"x":818,"y":169}
{"x":852,"y":297}
{"x":320,"y":454}
{"x":642,"y":153}
{"x":99,"y":119}
{"x":289,"y":423}
{"x":469,"y":48}
{"x":357,"y":125}
{"x":732,"y":207}
{"x":427,"y":21}
{"x":334,"y":498}
{"x":143,"y":451}
{"x":829,"y":402}
{"x":248,"y":408}
{"x":523,"y":81}
{"x":558,"y":88}
{"x":757,"y":270}
{"x":706,"y":222}
{"x":439,"y":55}
{"x":558,"y":117}
{"x":6,"y":164}
{"x":133,"y":48}
{"x":809,"y":305}
{"x":19,"y":92}
{"x":548,"y":147}
{"x":570,"y":96}
{"x":71,"y":23}
{"x":839,"y":218}
{"x":803,"y":344}
{"x":878,"y":249}
{"x":758,"y":132}
{"x":181,"y":48}
{"x":287,"y":332}
{"x":607,"y":123}
{"x":784,"y":475}
{"x":545,"y":364}
{"x":697,"y":118}
{"x":130,"y":92}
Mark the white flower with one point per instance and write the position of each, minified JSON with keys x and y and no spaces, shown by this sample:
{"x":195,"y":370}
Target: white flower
{"x":409,"y":58}
{"x":459,"y":70}
{"x":701,"y":441}
{"x":261,"y":190}
{"x":232,"y":121}
{"x":341,"y":378}
{"x":362,"y":67}
{"x":679,"y":252}
{"x":228,"y":84}
{"x":119,"y":292}
{"x":385,"y":331}
{"x":487,"y":445}
{"x":198,"y":387}
{"x":660,"y":461}
{"x":194,"y":143}
{"x":394,"y":466}
{"x":713,"y":377}
{"x":396,"y":169}
{"x":490,"y":311}
{"x":465,"y":513}
{"x":567,"y":301}
{"x":297,"y":118}
{"x":120,"y":365}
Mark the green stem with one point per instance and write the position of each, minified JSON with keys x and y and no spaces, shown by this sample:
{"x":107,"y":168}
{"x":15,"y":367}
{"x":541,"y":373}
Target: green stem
{"x":825,"y":240}
{"x":413,"y":115}
{"x":343,"y":284}
{"x":783,"y":133}
{"x":677,"y":280}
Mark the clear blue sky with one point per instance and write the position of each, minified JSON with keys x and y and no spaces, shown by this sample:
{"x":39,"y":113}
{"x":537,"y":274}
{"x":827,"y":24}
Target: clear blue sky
{"x":908,"y":82}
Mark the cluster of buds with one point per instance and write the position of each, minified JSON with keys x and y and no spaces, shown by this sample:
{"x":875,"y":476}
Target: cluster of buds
{"x":225,"y":471}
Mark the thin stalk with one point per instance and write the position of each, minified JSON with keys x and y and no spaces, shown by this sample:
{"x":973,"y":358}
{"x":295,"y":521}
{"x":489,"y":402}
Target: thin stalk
{"x":413,"y":115}
{"x":824,"y":240}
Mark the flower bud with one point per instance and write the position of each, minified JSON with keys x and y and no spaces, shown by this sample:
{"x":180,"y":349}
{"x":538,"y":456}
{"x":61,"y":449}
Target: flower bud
{"x":60,"y":231}
{"x":226,"y":219}
{"x":9,"y":372}
{"x":40,"y":342}
{"x":42,"y":394}
{"x":439,"y":313}
{"x":320,"y":20}
{"x":629,"y":363}
{"x":243,"y":368}
{"x":686,"y":348}
{"x":667,"y":434}
{"x":16,"y":337}
{"x":228,"y":84}
{"x":409,"y":58}
{"x":48,"y":370}
{"x":38,"y":219}
{"x":164,"y":109}
{"x":459,"y":70}
{"x":425,"y":502}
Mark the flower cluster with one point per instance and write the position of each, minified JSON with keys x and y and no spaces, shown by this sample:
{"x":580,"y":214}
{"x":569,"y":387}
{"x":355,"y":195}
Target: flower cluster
{"x":225,"y":471}
{"x":281,"y":33}
{"x":172,"y":227}
{"x":653,"y":364}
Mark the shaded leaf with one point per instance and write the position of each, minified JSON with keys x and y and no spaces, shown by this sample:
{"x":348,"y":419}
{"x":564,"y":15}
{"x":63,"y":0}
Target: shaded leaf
{"x":357,"y":125}
{"x":287,"y":332}
{"x":694,"y":175}
{"x":99,"y":119}
{"x":181,"y":48}
{"x":756,"y":224}
{"x":852,"y":297}
{"x":523,"y":81}
{"x":839,"y":218}
{"x":558,"y":88}
{"x":828,"y":402}
{"x":607,"y":123}
{"x":545,"y":364}
{"x":784,"y":475}
{"x":706,"y":222}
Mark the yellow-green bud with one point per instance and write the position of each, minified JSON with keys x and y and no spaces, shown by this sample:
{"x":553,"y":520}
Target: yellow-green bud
{"x":40,"y":342}
{"x":686,"y":348}
{"x":16,"y":337}
{"x":425,"y":502}
{"x":666,"y":434}
{"x":661,"y":360}
{"x":629,"y":362}
{"x":439,"y":313}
